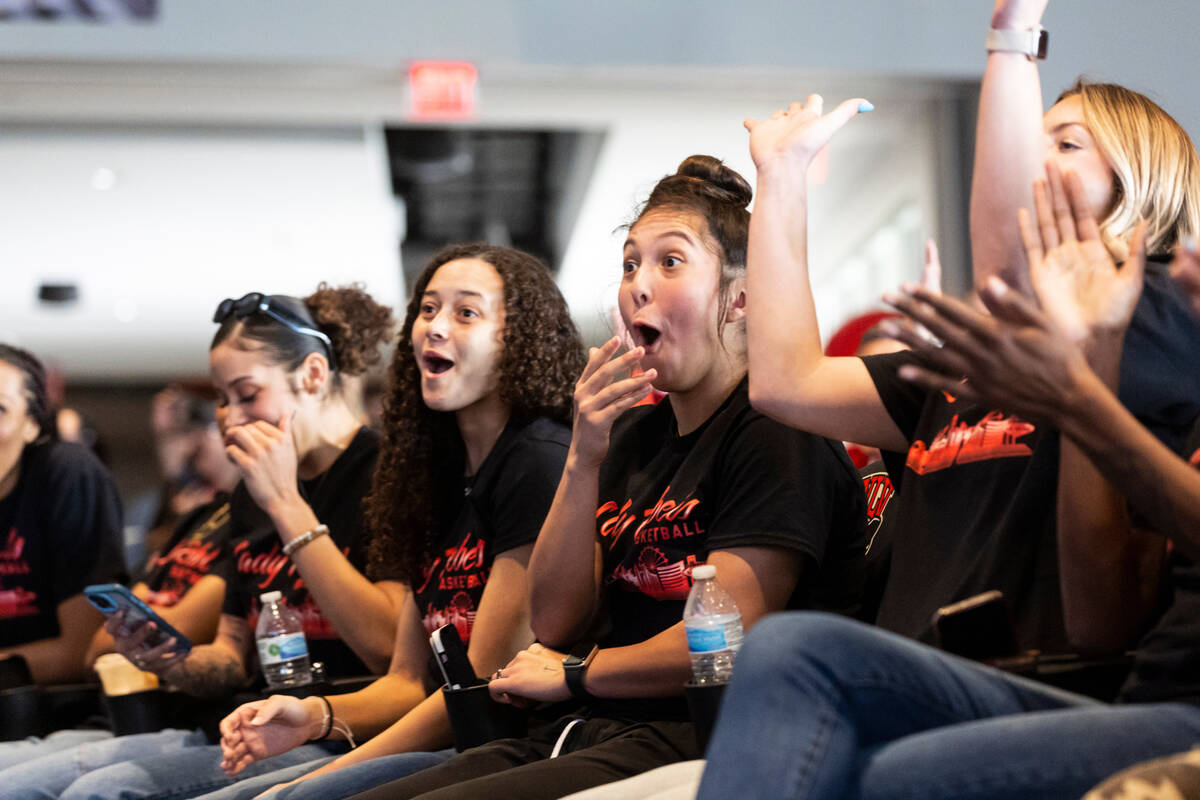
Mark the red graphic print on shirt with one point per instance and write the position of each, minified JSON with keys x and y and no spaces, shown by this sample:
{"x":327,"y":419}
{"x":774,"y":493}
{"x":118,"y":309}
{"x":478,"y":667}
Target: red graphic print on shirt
{"x":187,"y":562}
{"x":879,"y":491}
{"x":18,"y":602}
{"x":456,"y":578}
{"x":652,"y":572}
{"x":994,"y":436}
{"x":271,"y":575}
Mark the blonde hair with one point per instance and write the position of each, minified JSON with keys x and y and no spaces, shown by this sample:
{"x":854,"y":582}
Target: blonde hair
{"x":1154,"y":163}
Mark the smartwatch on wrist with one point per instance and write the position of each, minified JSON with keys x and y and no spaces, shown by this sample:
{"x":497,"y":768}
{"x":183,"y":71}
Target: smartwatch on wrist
{"x":574,"y":668}
{"x":1032,"y":42}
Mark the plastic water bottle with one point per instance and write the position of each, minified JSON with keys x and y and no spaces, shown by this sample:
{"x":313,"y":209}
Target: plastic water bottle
{"x":282,"y":648}
{"x":714,"y":627}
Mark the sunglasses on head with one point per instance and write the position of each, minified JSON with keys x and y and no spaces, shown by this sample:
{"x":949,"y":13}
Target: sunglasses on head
{"x":257,"y":302}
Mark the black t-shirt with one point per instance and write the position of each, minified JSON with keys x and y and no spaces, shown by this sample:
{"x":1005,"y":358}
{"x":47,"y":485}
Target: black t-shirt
{"x":739,"y":480}
{"x":198,"y":546}
{"x":1167,"y":663}
{"x":258,"y":565}
{"x":977,"y":493}
{"x":500,"y":507}
{"x":61,"y":531}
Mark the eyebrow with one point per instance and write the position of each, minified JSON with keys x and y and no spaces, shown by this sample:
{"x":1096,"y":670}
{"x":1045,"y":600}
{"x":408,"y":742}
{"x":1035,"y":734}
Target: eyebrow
{"x":1062,"y":125}
{"x":459,"y":293}
{"x":236,"y":381}
{"x":682,"y":234}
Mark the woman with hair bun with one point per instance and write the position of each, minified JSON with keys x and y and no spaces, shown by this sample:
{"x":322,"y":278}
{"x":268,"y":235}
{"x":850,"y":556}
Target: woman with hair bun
{"x":647,"y":493}
{"x":60,"y":530}
{"x":295,"y":527}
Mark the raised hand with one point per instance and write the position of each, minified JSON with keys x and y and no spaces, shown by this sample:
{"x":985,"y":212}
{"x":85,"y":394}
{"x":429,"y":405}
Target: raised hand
{"x":1079,"y":286}
{"x":266,"y":728}
{"x":798,"y":134}
{"x":601,"y":396}
{"x":266,"y":457}
{"x":1015,"y":359}
{"x":1018,"y":14}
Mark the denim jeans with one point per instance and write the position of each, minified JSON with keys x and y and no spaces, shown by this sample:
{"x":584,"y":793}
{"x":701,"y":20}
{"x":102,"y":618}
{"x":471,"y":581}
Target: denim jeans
{"x":823,"y":707}
{"x":342,"y":783}
{"x":47,"y":777}
{"x":25,"y":750}
{"x":184,"y":773}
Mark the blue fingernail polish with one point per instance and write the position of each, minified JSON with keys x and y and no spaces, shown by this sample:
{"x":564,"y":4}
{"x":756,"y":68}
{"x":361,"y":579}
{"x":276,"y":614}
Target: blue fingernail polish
{"x":865,"y":106}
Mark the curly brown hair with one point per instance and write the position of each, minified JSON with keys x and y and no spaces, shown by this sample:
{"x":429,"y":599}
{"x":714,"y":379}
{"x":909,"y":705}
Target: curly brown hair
{"x":541,"y":357}
{"x":355,"y":324}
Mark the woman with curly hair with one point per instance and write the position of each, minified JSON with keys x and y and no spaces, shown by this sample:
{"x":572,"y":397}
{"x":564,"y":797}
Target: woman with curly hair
{"x":476,"y":437}
{"x":306,"y":461}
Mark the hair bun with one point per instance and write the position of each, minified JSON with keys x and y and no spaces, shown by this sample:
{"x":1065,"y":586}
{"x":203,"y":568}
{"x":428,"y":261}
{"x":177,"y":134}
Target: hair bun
{"x":724,"y":183}
{"x":354,"y":322}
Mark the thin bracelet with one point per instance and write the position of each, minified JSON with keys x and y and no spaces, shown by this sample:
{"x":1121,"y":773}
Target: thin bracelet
{"x":305,"y":538}
{"x":327,"y":722}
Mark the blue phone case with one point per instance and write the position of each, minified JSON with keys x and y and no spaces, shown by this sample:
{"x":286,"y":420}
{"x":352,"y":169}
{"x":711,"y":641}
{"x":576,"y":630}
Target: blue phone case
{"x":111,"y":597}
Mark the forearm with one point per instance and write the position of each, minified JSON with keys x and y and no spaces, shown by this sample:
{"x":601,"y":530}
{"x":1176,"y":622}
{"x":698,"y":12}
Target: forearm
{"x":1008,"y":157}
{"x":781,"y":319}
{"x":424,"y":728}
{"x":372,"y":709}
{"x":53,"y":661}
{"x":563,"y":587}
{"x":657,"y":667}
{"x":363,"y":613}
{"x":208,"y":671}
{"x":1097,"y":543}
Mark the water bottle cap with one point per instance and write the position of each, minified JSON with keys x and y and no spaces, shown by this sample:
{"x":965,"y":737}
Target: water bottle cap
{"x":266,"y":598}
{"x":704,"y":572}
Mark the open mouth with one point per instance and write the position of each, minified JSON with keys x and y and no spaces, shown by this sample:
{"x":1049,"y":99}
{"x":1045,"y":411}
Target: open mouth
{"x":436,"y":365}
{"x":645,"y":334}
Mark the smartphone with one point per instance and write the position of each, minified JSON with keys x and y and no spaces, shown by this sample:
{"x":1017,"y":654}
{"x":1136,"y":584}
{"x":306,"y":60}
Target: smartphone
{"x":979,"y":627}
{"x":451,"y":656}
{"x":112,"y":597}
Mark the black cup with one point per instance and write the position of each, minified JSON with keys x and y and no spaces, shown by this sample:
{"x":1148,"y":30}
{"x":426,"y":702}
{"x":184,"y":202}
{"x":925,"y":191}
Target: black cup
{"x":21,"y":713}
{"x":475,"y":718}
{"x":137,"y":712}
{"x":704,"y":701}
{"x":14,"y":672}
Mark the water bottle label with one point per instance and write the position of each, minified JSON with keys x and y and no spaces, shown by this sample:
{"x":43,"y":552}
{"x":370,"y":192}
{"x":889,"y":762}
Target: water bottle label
{"x":278,"y":649}
{"x":701,"y":640}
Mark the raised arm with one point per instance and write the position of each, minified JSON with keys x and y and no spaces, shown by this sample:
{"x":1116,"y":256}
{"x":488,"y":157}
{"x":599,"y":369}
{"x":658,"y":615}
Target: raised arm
{"x":791,"y":379}
{"x":1009,"y":151}
{"x":363,"y":613}
{"x":564,"y":570}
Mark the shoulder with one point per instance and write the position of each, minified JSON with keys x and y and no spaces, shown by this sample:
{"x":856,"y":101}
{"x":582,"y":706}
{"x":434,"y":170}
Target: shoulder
{"x":63,"y":462}
{"x":537,"y":441}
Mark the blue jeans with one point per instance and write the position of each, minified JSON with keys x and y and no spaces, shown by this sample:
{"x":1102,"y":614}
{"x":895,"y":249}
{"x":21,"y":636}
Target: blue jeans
{"x":823,"y":707}
{"x":184,"y":773}
{"x":342,"y":783}
{"x":25,"y":750}
{"x":48,"y":777}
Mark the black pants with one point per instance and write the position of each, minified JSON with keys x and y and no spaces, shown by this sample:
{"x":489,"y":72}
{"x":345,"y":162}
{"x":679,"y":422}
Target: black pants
{"x":596,"y":751}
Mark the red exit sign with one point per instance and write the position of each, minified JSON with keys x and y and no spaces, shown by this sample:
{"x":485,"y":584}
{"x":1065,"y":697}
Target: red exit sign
{"x":442,"y":88}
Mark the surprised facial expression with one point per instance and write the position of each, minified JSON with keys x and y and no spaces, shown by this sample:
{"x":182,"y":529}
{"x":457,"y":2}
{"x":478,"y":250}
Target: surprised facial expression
{"x":458,"y":335}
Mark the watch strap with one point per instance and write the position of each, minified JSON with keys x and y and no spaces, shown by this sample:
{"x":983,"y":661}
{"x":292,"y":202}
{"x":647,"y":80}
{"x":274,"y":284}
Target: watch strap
{"x":574,"y":668}
{"x":1032,"y":42}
